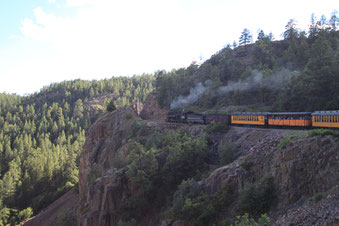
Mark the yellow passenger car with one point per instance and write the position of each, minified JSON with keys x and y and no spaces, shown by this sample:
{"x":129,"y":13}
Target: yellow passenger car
{"x":249,"y":118}
{"x":290,"y":119}
{"x":325,"y":119}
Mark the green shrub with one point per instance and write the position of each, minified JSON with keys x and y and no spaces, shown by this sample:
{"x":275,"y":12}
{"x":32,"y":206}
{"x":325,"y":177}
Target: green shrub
{"x":226,"y":153}
{"x":216,"y":127}
{"x":111,"y":106}
{"x":25,"y":214}
{"x":120,"y":161}
{"x":191,"y":204}
{"x":138,"y":128}
{"x":257,"y":198}
{"x":188,"y":189}
{"x":284,"y":142}
{"x":317,"y":197}
{"x":223,"y":198}
{"x":246,"y":163}
{"x":155,"y":140}
{"x":323,"y":132}
{"x":244,"y":220}
{"x":94,"y":173}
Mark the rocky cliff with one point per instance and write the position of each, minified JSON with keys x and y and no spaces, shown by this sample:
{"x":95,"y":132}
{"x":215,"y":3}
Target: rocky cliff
{"x":303,"y":168}
{"x":101,"y":189}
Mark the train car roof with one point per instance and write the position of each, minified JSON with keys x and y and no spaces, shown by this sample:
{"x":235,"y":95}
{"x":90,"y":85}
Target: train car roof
{"x":250,"y":113}
{"x":290,"y":113}
{"x":325,"y":113}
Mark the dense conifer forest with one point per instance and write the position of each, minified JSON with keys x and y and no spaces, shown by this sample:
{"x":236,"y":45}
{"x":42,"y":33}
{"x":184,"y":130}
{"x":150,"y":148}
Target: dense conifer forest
{"x":41,"y":137}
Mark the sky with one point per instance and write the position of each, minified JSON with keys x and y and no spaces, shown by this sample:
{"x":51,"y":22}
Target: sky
{"x":48,"y":41}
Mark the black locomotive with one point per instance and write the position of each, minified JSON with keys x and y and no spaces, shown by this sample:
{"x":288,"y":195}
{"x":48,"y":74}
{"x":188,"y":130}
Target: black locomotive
{"x":196,"y":118}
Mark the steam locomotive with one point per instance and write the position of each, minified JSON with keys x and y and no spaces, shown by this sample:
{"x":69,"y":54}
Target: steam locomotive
{"x":317,"y":119}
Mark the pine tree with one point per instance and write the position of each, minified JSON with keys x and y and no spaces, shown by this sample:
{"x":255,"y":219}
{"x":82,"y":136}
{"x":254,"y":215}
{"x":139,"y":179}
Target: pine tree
{"x":245,"y":38}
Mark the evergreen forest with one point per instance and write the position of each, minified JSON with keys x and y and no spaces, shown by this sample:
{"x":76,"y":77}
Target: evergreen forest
{"x":42,"y":135}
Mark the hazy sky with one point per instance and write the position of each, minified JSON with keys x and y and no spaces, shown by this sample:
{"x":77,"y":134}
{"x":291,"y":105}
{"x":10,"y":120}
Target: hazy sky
{"x":45,"y":41}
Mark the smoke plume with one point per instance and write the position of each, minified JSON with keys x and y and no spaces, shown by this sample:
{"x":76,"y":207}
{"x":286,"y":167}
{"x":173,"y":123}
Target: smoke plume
{"x":195,"y":94}
{"x":254,"y":81}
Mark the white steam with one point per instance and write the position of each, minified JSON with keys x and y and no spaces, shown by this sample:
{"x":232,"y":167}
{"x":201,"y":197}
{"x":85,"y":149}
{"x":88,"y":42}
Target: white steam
{"x":195,"y":94}
{"x":254,"y":81}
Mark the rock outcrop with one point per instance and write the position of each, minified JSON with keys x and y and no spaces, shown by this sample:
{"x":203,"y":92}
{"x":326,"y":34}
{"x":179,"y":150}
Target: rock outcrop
{"x":102,"y":189}
{"x":151,"y":109}
{"x":306,"y":166}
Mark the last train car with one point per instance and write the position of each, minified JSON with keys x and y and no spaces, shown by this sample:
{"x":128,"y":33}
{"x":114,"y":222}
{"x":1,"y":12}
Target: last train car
{"x":250,"y":118}
{"x":325,"y":119}
{"x":290,"y":119}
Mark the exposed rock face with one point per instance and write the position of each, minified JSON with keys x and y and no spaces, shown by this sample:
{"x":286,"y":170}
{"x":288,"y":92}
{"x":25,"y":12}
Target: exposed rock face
{"x":308,"y":165}
{"x":304,"y":167}
{"x":137,"y":107}
{"x":99,"y":199}
{"x":151,"y":109}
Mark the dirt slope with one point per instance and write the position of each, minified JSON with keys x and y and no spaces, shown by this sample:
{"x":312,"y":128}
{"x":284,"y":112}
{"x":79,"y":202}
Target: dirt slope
{"x":50,"y":216}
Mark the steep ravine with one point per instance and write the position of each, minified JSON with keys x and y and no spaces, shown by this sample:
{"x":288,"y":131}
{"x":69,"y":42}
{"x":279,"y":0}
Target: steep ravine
{"x":306,"y":166}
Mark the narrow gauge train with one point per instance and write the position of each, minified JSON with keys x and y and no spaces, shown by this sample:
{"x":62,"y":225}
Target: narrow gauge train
{"x":318,"y":119}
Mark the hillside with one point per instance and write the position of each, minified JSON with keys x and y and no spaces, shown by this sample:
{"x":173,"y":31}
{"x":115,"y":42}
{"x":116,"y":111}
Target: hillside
{"x":157,"y":173}
{"x":263,"y":76}
{"x":41,"y":137}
